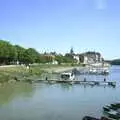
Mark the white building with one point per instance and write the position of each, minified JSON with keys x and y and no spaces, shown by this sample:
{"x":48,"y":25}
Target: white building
{"x":90,"y":58}
{"x":76,"y":57}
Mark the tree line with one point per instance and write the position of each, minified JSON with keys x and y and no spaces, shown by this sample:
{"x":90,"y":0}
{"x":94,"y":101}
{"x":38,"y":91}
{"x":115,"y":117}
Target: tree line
{"x":11,"y":54}
{"x":115,"y":62}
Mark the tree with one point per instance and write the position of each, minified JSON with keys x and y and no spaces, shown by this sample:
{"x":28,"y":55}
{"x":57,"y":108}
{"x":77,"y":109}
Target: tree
{"x":53,"y":53}
{"x":68,"y":55}
{"x":42,"y":59}
{"x":30,"y":55}
{"x":7,"y":52}
{"x":59,"y":59}
{"x":20,"y":53}
{"x":46,"y":58}
{"x":115,"y":62}
{"x":69,"y":58}
{"x":12,"y":53}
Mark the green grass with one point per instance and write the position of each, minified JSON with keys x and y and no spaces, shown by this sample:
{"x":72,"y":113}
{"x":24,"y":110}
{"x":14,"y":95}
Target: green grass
{"x":43,"y":66}
{"x":21,"y":72}
{"x":8,"y":73}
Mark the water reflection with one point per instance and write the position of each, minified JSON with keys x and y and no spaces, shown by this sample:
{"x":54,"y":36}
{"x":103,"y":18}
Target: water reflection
{"x":57,"y":101}
{"x":66,"y":87}
{"x":11,"y":91}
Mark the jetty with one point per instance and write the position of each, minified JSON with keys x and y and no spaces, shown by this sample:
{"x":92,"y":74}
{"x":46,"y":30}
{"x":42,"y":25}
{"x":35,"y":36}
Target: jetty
{"x":81,"y":82}
{"x":91,"y":70}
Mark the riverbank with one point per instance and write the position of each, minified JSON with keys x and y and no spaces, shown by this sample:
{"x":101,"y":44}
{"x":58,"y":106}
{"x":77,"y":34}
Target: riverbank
{"x":43,"y":101}
{"x":62,"y":68}
{"x":21,"y":73}
{"x":17,"y":73}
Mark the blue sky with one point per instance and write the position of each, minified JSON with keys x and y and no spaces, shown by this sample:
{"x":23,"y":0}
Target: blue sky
{"x":48,"y":25}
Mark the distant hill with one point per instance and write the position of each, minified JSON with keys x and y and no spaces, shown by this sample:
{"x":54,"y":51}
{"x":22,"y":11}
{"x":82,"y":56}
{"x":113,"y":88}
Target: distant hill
{"x":115,"y":62}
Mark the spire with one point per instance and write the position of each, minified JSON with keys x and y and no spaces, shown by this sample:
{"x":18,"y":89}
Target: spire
{"x":71,"y":51}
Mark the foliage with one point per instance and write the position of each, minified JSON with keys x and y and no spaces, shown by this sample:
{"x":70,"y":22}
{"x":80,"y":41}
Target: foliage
{"x":12,"y":54}
{"x":30,"y":55}
{"x":115,"y":62}
{"x":59,"y":58}
{"x":20,"y":53}
{"x":45,"y":58}
{"x":65,"y":59}
{"x":7,"y":52}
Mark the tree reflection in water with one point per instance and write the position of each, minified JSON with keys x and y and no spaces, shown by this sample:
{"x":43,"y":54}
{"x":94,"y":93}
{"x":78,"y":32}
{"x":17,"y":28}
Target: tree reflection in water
{"x":10,"y":91}
{"x":66,"y":86}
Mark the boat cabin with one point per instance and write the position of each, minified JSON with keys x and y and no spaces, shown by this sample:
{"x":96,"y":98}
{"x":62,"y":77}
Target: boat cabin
{"x":67,"y":76}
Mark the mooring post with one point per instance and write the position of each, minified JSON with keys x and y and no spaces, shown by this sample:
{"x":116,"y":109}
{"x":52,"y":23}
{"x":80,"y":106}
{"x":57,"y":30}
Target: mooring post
{"x":46,"y":78}
{"x":84,"y":79}
{"x":104,"y":79}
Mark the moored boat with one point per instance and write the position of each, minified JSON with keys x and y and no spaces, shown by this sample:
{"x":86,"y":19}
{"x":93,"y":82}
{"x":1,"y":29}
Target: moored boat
{"x":106,"y":108}
{"x":93,"y":118}
{"x":115,"y":105}
{"x":90,"y":118}
{"x":67,"y":76}
{"x":112,"y":111}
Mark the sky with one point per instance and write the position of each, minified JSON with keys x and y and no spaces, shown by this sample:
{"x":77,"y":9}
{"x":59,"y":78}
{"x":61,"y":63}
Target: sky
{"x":58,"y":25}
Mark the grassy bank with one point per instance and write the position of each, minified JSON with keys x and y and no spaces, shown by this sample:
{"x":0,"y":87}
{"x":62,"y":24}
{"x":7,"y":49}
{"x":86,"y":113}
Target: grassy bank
{"x":19,"y":73}
{"x":56,"y":68}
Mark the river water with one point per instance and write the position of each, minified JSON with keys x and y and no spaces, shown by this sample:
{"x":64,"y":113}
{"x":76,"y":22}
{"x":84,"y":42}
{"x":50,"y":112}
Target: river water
{"x":40,"y":101}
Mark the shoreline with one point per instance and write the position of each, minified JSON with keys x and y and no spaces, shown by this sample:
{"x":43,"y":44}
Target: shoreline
{"x":14,"y":73}
{"x":61,"y":69}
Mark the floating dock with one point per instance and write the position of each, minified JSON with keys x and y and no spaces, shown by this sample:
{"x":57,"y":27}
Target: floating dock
{"x":109,"y":83}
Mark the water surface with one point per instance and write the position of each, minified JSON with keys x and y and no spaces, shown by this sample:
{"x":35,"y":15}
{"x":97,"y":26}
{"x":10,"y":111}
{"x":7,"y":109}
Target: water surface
{"x":41,"y":101}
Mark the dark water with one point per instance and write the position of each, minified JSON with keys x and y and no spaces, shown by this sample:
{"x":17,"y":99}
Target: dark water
{"x":59,"y":101}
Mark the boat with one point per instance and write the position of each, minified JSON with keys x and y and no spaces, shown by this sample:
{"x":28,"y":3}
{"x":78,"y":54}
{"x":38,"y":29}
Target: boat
{"x":113,"y":114}
{"x":105,"y":118}
{"x":112,"y":110}
{"x":106,"y":108}
{"x":99,"y":70}
{"x":67,"y":76}
{"x":115,"y":105}
{"x":106,"y":70}
{"x":112,"y":83}
{"x":90,"y":118}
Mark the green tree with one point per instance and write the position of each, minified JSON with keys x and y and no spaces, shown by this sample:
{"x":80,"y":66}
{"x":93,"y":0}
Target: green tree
{"x":69,"y":58}
{"x":115,"y":62}
{"x":7,"y":52}
{"x":30,"y":55}
{"x":20,"y":53}
{"x":45,"y":58}
{"x":59,"y":58}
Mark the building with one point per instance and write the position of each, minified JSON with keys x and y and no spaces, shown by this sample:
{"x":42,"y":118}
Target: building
{"x":76,"y":57}
{"x":48,"y":58}
{"x":90,"y":58}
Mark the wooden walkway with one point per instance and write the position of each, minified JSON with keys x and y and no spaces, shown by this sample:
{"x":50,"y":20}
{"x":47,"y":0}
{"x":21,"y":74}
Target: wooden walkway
{"x":110,"y":83}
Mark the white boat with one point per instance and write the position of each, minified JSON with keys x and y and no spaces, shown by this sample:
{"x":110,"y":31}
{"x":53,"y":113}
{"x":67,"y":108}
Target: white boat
{"x":67,"y":76}
{"x":105,"y":70}
{"x":99,"y":70}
